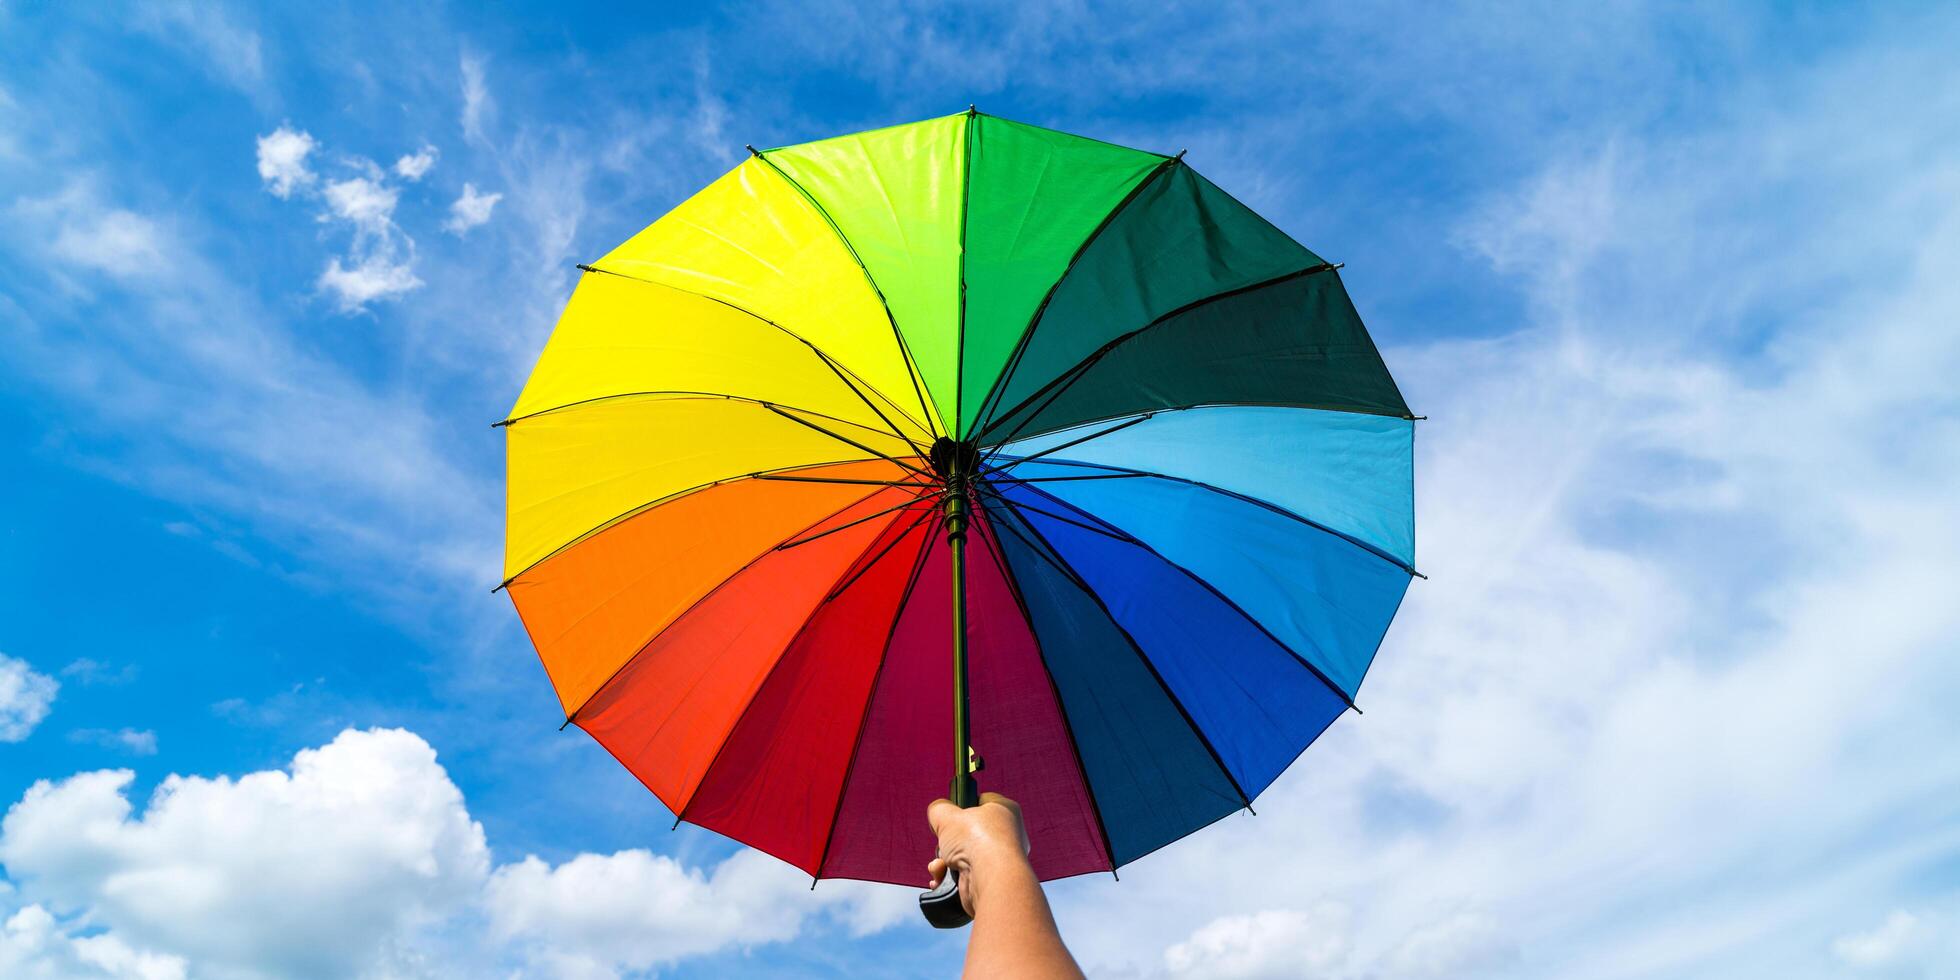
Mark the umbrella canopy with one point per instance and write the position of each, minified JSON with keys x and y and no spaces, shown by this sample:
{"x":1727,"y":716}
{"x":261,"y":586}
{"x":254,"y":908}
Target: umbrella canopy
{"x":964,"y":379}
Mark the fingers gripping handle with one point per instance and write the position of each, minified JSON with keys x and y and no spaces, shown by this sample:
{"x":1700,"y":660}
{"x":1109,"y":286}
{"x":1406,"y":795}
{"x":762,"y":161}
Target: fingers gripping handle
{"x":941,"y":904}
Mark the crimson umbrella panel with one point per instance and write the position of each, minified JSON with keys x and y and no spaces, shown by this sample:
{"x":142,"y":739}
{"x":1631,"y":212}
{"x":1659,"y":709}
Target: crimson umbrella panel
{"x":1071,"y":395}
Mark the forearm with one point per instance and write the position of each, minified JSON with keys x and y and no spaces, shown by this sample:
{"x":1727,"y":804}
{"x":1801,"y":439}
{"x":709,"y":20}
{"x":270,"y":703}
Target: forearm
{"x":1014,"y":932}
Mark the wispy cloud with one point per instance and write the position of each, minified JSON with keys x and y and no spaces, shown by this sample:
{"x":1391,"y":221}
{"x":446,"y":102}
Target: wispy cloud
{"x":478,"y":106}
{"x":88,"y":671}
{"x":1880,"y":946}
{"x":207,"y":33}
{"x":131,"y":740}
{"x":121,"y":243}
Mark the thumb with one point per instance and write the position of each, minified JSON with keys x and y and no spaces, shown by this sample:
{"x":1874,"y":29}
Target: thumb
{"x":938,"y":814}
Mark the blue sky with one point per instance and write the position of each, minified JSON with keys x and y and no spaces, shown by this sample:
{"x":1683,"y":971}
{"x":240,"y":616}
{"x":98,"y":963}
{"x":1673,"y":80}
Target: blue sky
{"x":1675,"y":289}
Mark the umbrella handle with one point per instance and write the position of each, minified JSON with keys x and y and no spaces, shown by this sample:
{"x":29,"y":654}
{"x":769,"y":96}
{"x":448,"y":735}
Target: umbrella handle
{"x":941,"y":905}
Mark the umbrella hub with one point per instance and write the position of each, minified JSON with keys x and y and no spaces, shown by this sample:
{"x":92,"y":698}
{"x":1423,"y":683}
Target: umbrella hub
{"x":954,"y":461}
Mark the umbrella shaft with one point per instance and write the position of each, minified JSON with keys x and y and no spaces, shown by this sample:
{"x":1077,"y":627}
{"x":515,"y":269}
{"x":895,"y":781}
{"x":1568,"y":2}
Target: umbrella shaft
{"x":963,"y":790}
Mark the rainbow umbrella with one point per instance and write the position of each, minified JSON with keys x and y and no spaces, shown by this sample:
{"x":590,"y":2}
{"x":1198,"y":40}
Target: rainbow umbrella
{"x":963,"y":438}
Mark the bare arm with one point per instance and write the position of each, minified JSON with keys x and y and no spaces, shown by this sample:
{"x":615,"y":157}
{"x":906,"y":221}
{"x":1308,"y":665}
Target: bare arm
{"x":1014,"y":932}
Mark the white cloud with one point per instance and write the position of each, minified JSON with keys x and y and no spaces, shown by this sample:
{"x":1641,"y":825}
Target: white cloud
{"x":1879,"y":946}
{"x":598,"y":916}
{"x":381,"y":257}
{"x":122,"y":243}
{"x":25,"y":696}
{"x":282,"y":160}
{"x":327,"y":868}
{"x":131,"y":740}
{"x":1273,"y":944}
{"x":412,"y":166}
{"x":369,"y":204}
{"x":374,"y":277}
{"x":471,"y":209}
{"x":34,"y":945}
{"x":361,"y":858}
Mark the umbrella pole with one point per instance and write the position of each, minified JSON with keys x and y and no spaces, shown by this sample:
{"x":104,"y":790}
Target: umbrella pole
{"x":964,"y":791}
{"x":955,"y":461}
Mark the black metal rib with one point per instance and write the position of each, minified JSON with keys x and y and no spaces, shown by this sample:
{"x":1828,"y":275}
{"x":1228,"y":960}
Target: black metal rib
{"x":994,"y":450}
{"x":916,"y":521}
{"x":959,"y":352}
{"x":705,"y":395}
{"x":841,"y":480}
{"x":1047,"y":551}
{"x":1071,"y":479}
{"x":843,"y":373}
{"x":916,"y":498}
{"x":1024,"y":505}
{"x":704,"y":597}
{"x":1118,"y":427}
{"x":729,"y":735}
{"x":771,"y":474}
{"x":904,"y":349}
{"x":779,"y":410}
{"x":1034,"y":319}
{"x":1000,"y":473}
{"x":1134,"y":541}
{"x":1060,"y":383}
{"x":1054,"y":690}
{"x":884,"y":654}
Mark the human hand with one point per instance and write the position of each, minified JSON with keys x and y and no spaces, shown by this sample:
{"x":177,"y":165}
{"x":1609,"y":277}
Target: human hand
{"x":986,"y":844}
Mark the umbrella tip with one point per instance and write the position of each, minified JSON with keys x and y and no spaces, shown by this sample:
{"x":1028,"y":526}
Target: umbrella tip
{"x":970,"y":110}
{"x":752,"y":150}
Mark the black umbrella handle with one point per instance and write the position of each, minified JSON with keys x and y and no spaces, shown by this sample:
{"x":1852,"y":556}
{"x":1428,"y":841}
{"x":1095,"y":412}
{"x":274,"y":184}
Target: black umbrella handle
{"x":941,"y":904}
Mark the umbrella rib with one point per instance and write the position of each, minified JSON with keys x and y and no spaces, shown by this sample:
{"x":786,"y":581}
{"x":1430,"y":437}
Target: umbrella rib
{"x":638,"y":509}
{"x":704,"y":597}
{"x":785,"y":413}
{"x":839,"y":590}
{"x":843,"y":373}
{"x":677,"y":393}
{"x":1021,"y":344}
{"x":1067,"y":479}
{"x":845,"y":527}
{"x":1118,"y":427}
{"x":904,"y":350}
{"x":1000,"y":473}
{"x":1132,"y":539}
{"x":1061,"y":383}
{"x":840,"y":480}
{"x":729,"y":735}
{"x":864,"y":719}
{"x":1047,"y":551}
{"x":997,"y":448}
{"x":1024,"y":505}
{"x":1061,"y":707}
{"x":966,"y":187}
